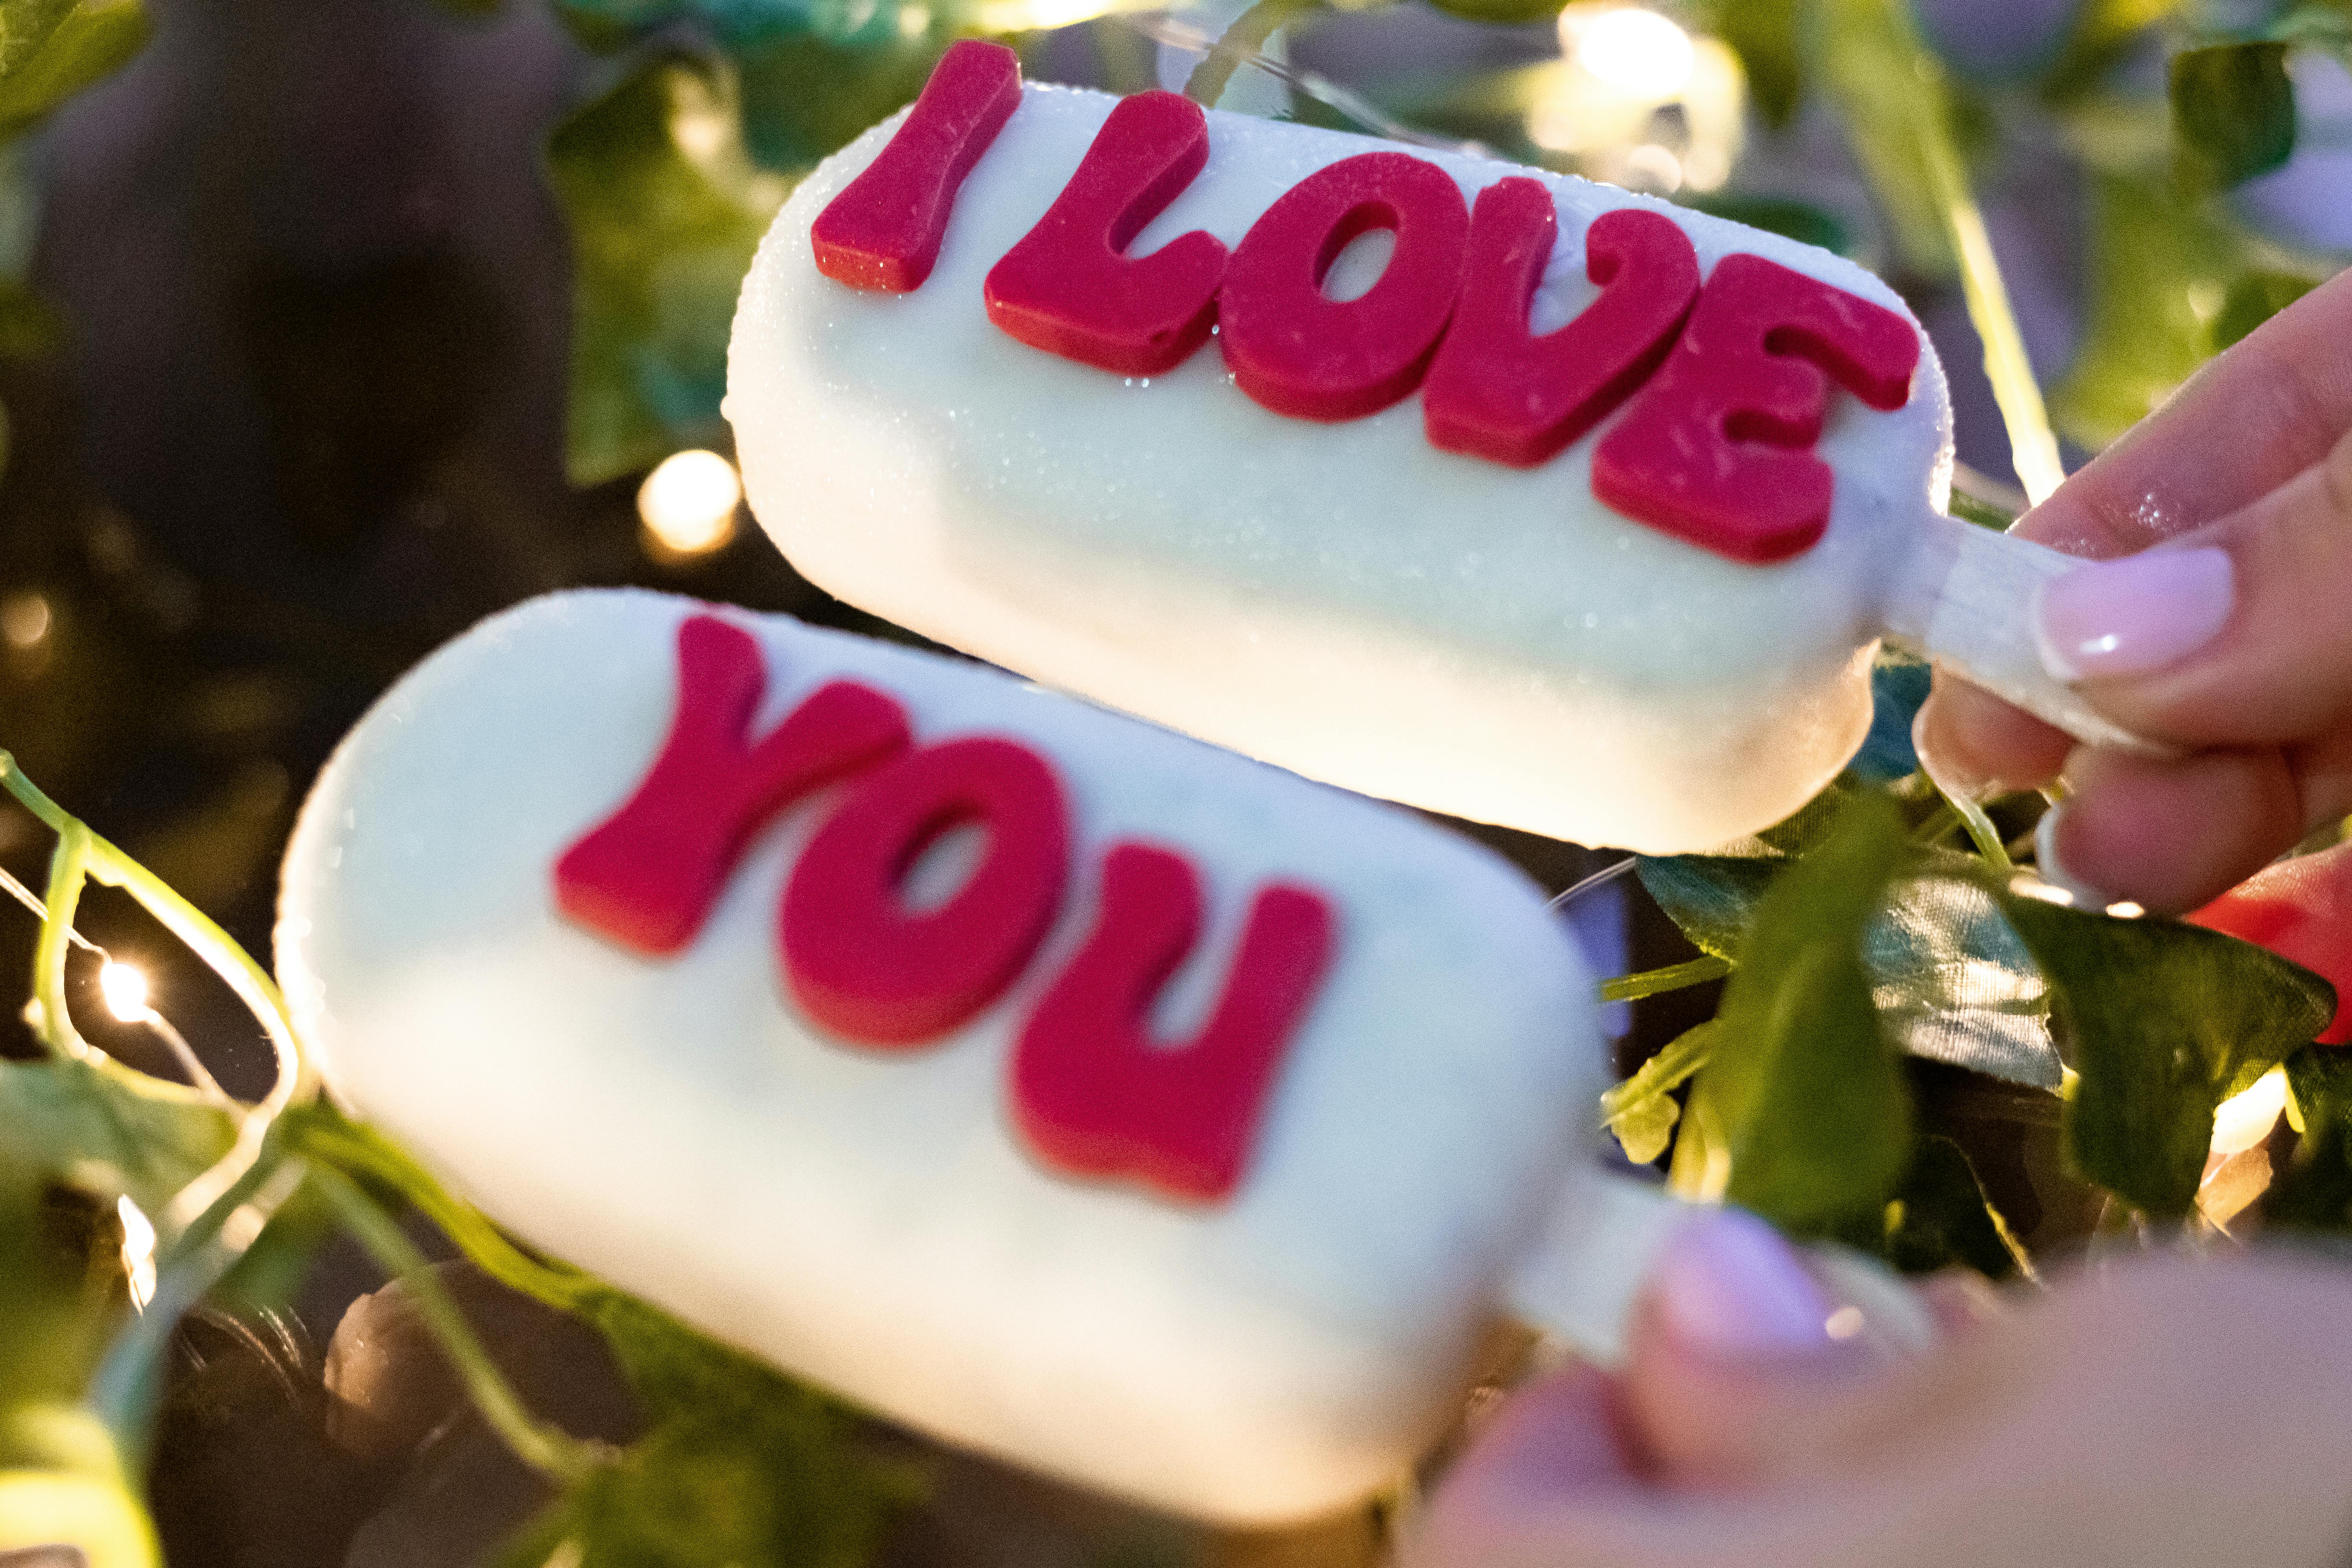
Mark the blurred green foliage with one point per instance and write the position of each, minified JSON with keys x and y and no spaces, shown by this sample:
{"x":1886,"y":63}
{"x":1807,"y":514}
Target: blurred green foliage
{"x":1841,"y":929}
{"x":665,"y":211}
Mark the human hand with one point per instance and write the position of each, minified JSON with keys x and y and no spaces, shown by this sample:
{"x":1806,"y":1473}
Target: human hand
{"x":2157,"y":1412}
{"x":2227,"y":633}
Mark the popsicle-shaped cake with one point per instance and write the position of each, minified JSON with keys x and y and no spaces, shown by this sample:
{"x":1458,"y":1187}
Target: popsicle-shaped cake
{"x":1054,"y":1083}
{"x":1483,"y":489}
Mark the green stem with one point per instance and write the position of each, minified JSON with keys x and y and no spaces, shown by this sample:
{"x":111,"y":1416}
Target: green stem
{"x":1662,"y":1074}
{"x":1941,"y":821}
{"x":1701,"y":1167}
{"x":83,"y":853}
{"x":109,"y":865}
{"x":357,"y":1149}
{"x":1247,"y":36}
{"x":68,"y":866}
{"x":1981,"y":832}
{"x":2033,"y":448}
{"x":1672,"y":977}
{"x":551,"y":1452}
{"x":129,"y":1381}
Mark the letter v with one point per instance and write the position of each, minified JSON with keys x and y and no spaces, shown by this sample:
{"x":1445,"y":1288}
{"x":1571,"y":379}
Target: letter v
{"x":648,"y":875}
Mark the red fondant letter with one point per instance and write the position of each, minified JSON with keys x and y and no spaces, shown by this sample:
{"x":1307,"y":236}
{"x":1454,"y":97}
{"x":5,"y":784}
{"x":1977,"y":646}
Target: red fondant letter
{"x":1498,"y":391}
{"x":870,"y":970}
{"x":883,"y":231}
{"x":1093,"y":1092}
{"x":649,"y":875}
{"x":1068,"y":288}
{"x":1716,"y":448}
{"x":1303,"y":354}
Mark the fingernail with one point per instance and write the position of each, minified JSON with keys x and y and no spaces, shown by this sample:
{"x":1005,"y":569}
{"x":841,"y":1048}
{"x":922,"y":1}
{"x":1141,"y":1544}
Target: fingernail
{"x":2052,"y":870}
{"x":2132,"y":614}
{"x":1729,"y":1286}
{"x":1946,"y":772}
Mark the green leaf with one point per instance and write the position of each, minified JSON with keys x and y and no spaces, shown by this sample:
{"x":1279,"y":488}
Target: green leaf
{"x":1941,"y":1217}
{"x":29,"y":325}
{"x":741,"y":1465}
{"x":2162,"y":262}
{"x":805,"y":99}
{"x":2321,"y":25}
{"x":1954,"y":983}
{"x":1951,"y":981}
{"x":75,"y":1136}
{"x":90,"y":42}
{"x":665,"y":211}
{"x":1641,"y":1110}
{"x":63,"y":1483}
{"x":2163,"y":1021}
{"x":1803,"y":1085}
{"x":1799,"y":221}
{"x":24,"y":26}
{"x":1765,"y":35}
{"x":274,"y":1266}
{"x":1714,"y":898}
{"x":50,"y":1323}
{"x":2254,"y":298}
{"x":2103,"y":33}
{"x":2232,"y":110}
{"x":1672,"y":977}
{"x":100,"y":1127}
{"x":735,"y":26}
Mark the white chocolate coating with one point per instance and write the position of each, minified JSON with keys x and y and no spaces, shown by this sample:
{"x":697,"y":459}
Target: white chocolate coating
{"x":871,"y":1220}
{"x":1345,"y":600}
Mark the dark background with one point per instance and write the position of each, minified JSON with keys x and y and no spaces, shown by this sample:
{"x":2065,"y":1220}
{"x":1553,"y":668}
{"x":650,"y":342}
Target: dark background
{"x":302,"y":423}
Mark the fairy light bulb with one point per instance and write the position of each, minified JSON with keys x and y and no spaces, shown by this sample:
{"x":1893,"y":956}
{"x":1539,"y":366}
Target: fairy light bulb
{"x":126,"y":991}
{"x":2245,"y":1119}
{"x":138,"y":1250}
{"x":688,"y":504}
{"x":24,"y":620}
{"x":1638,"y":53}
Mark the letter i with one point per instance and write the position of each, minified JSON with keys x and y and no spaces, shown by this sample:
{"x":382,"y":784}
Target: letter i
{"x":883,"y":231}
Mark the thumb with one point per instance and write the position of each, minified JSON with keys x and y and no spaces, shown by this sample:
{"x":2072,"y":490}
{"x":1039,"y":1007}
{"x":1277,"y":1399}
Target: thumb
{"x":1741,"y":1367}
{"x":2237,"y":633}
{"x":2233,"y":643}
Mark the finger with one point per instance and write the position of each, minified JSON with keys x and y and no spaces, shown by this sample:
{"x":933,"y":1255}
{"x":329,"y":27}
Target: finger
{"x":1962,"y":1300}
{"x":1548,"y":1445}
{"x":2251,"y":420}
{"x":2172,"y":835}
{"x":2245,"y":424}
{"x":2240,"y":634}
{"x":1544,"y":1485}
{"x":1971,"y":740}
{"x":1731,"y":1369}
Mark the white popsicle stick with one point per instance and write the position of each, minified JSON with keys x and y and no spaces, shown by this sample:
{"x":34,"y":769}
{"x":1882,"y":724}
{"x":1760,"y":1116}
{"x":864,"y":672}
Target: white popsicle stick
{"x":1965,"y":600}
{"x":1580,"y":1280}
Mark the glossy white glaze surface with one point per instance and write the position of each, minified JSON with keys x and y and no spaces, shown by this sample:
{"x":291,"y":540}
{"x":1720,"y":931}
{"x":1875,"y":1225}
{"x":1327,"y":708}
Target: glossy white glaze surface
{"x":1344,"y":600}
{"x":871,"y":1220}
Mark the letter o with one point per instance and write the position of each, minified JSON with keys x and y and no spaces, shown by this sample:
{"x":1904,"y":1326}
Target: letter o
{"x":1310,"y":357}
{"x":866,"y":967}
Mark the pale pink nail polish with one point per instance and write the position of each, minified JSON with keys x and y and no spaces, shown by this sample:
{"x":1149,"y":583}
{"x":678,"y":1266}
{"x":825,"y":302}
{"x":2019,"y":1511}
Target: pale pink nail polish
{"x":2052,"y":870}
{"x":1729,"y":1285}
{"x":2132,"y":614}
